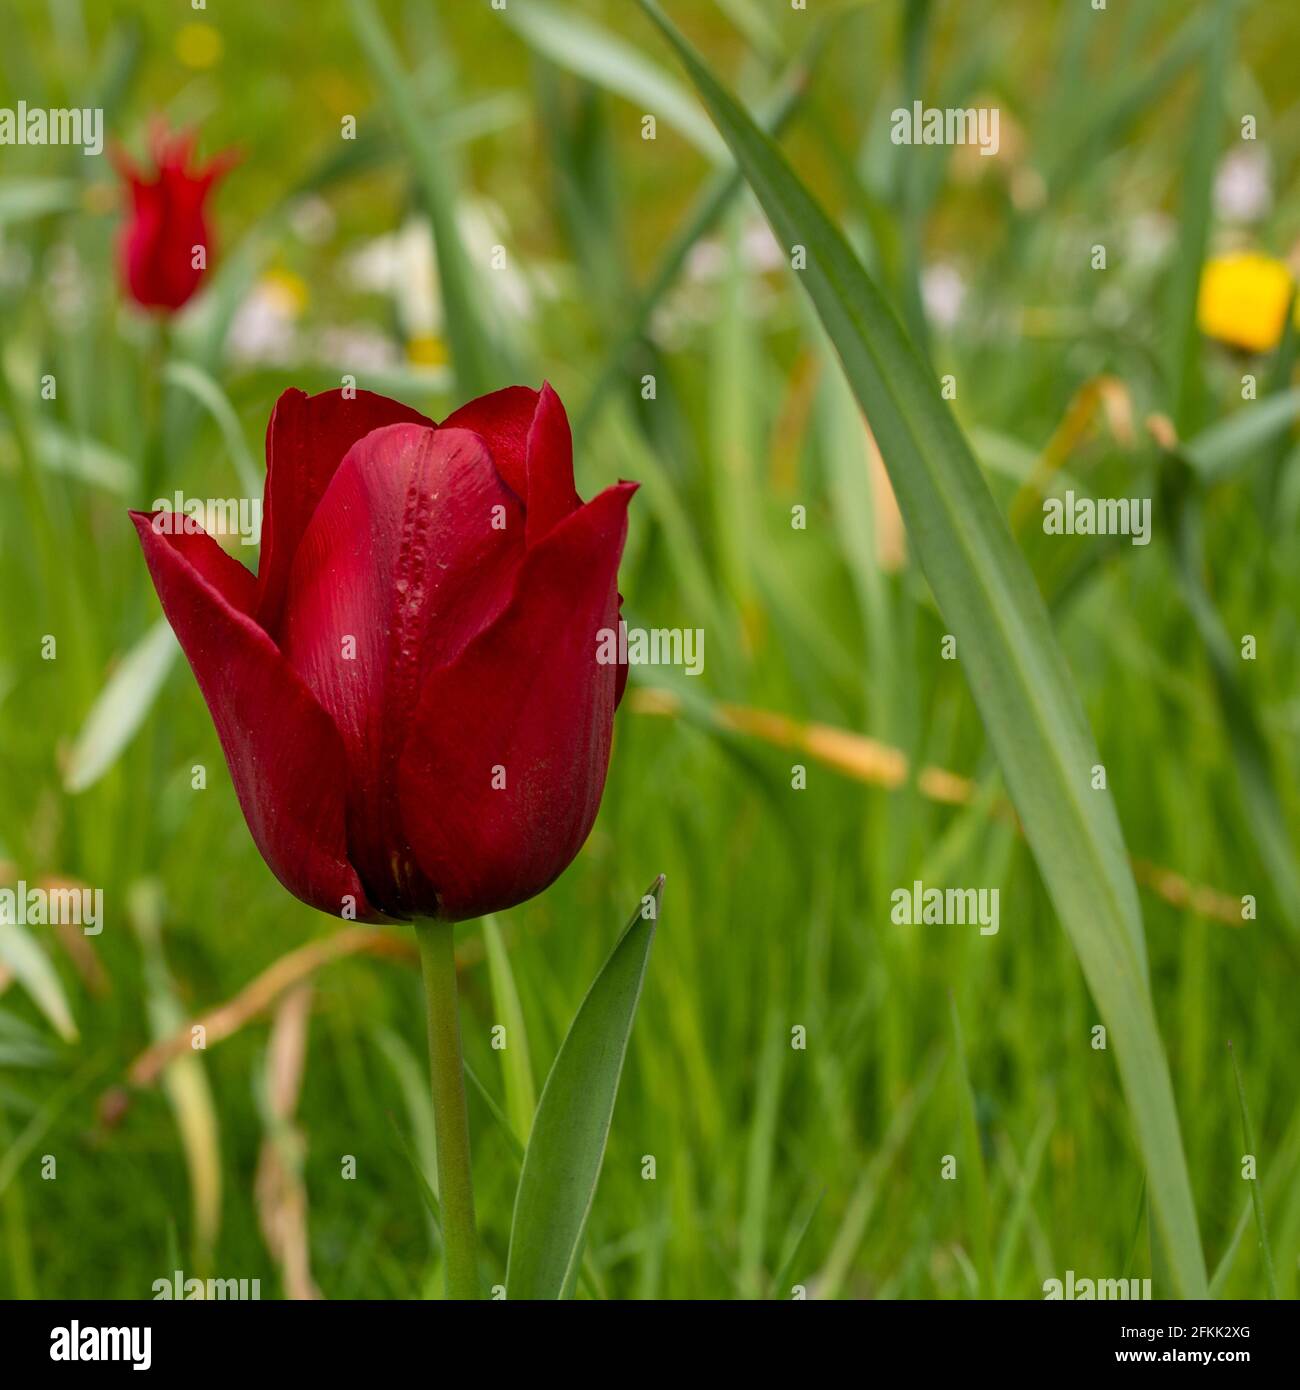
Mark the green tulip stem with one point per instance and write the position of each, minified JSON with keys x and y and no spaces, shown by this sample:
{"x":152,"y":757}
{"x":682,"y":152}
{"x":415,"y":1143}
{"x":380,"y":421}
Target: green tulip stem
{"x":450,"y":1117}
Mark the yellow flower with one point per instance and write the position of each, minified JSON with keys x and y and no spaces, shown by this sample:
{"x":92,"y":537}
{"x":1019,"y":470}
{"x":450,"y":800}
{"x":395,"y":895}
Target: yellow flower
{"x":198,"y":45}
{"x":426,"y":350}
{"x":287,"y":291}
{"x":1243,"y":300}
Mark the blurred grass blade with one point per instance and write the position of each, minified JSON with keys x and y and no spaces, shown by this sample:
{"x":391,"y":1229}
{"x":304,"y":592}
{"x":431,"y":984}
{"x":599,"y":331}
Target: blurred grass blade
{"x":30,"y":966}
{"x":197,"y":383}
{"x":1229,"y":445}
{"x":708,"y":207}
{"x":567,"y":1145}
{"x":586,"y":49}
{"x":430,"y":1197}
{"x":975,"y":1181}
{"x":23,"y":200}
{"x":1016,"y":671}
{"x":781,"y":1279}
{"x":422,"y":1149}
{"x":1249,"y":747}
{"x":121,"y":707}
{"x":16,"y":1151}
{"x":760,"y":1156}
{"x":21,"y":1045}
{"x":473,"y":357}
{"x":1279,"y":379}
{"x":1182,"y":334}
{"x":866,"y":1195}
{"x":521,"y":1096}
{"x":87,"y":459}
{"x":1256,"y":1191}
{"x":1224,"y":1268}
{"x":185,"y":1078}
{"x":497,"y":1113}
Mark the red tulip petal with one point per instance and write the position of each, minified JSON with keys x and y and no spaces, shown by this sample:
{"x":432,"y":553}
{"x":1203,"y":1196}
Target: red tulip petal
{"x":285,"y":756}
{"x":527,"y":696}
{"x":305,"y":443}
{"x":403,"y":556}
{"x":503,"y":418}
{"x":204,"y":555}
{"x":528,"y":436}
{"x":620,"y":680}
{"x":551,"y":496}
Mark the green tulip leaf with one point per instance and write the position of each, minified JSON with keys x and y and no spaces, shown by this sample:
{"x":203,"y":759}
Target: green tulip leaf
{"x":567,"y":1143}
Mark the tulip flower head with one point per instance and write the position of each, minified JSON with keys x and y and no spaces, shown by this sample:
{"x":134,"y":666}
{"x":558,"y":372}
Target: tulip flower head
{"x":408,"y":694}
{"x":166,"y":242}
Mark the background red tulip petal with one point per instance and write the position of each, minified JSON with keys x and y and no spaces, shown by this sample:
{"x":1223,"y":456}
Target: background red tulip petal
{"x":285,"y":756}
{"x":403,"y":557}
{"x":528,"y":695}
{"x":551,"y":496}
{"x":305,"y":443}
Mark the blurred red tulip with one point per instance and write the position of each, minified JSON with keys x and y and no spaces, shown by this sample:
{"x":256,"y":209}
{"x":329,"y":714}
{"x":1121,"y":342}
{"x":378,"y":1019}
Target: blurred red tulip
{"x":166,"y":244}
{"x":408,"y":694}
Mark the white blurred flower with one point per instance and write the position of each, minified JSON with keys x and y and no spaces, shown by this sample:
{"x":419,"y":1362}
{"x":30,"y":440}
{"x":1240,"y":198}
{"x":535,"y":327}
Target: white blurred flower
{"x":263,"y":328}
{"x":943,"y":292}
{"x":356,"y":348}
{"x":759,"y":251}
{"x":312,"y":219}
{"x":67,"y":289}
{"x":1243,"y":190}
{"x":15,"y":264}
{"x":1150,"y":235}
{"x":403,"y":265}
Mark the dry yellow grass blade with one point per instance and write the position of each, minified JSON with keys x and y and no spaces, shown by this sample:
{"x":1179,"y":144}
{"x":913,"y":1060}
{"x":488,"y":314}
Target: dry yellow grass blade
{"x":261,"y":992}
{"x":223,"y":1020}
{"x":280,"y":1192}
{"x":1105,"y":395}
{"x":877,"y":764}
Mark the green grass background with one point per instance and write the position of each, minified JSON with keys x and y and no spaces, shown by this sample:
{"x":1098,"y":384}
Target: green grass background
{"x":776,"y":907}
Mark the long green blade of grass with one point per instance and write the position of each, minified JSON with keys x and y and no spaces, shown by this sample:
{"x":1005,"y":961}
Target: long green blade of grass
{"x":517,"y":1068}
{"x":1256,"y":1192}
{"x":602,"y":57}
{"x":1250,"y":749}
{"x":1016,"y":670}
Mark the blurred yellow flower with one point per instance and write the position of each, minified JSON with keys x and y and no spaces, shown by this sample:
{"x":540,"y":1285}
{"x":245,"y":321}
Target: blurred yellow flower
{"x":426,"y":350}
{"x":287,"y":291}
{"x":1243,"y":299}
{"x":198,"y":45}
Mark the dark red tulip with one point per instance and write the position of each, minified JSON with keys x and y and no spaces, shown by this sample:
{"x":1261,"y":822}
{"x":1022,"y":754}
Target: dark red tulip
{"x":167,"y":226}
{"x":408,"y":694}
